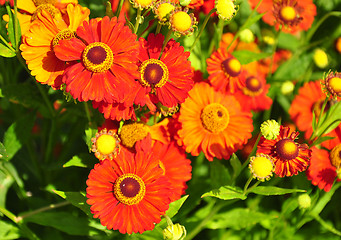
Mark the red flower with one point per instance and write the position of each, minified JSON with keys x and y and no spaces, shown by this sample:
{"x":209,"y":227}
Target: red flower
{"x":129,"y":192}
{"x":166,"y":78}
{"x":293,"y":15}
{"x":104,"y":61}
{"x":289,"y":157}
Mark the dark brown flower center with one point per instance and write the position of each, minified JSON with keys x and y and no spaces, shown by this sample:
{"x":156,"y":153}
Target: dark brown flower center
{"x":231,"y":67}
{"x":153,"y":73}
{"x":253,"y":87}
{"x":97,"y":57}
{"x":129,"y":189}
{"x":286,"y":149}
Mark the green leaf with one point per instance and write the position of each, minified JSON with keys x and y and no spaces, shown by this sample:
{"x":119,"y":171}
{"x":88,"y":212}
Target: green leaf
{"x":236,"y":165}
{"x":90,"y":132}
{"x":175,"y":206}
{"x":226,"y":193}
{"x":63,"y":221}
{"x":330,"y":120}
{"x":238,"y":218}
{"x":219,"y":174}
{"x":83,"y":160}
{"x":13,"y":34}
{"x":6,"y":182}
{"x":77,"y":199}
{"x":8,"y":231}
{"x":245,"y":56}
{"x":3,"y":152}
{"x":270,"y":190}
{"x":251,"y":21}
{"x":18,"y":134}
{"x":288,"y":41}
{"x":6,"y":52}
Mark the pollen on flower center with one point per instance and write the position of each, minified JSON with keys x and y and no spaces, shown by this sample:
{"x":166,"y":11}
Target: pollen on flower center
{"x":215,"y":117}
{"x":225,"y":9}
{"x":40,"y":2}
{"x":286,"y":149}
{"x":287,"y":14}
{"x":97,"y":57}
{"x":129,"y":189}
{"x":182,"y":22}
{"x":335,"y":156}
{"x":261,"y":166}
{"x":47,"y":7}
{"x":105,"y":144}
{"x":231,"y":67}
{"x":153,"y":73}
{"x":133,"y":132}
{"x":335,"y":84}
{"x":163,"y":9}
{"x":65,"y":34}
{"x":253,"y":87}
{"x":142,"y":3}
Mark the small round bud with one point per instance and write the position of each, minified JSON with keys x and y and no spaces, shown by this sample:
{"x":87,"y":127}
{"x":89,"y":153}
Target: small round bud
{"x":287,"y":87}
{"x":320,"y":58}
{"x":304,"y":201}
{"x":261,"y":167}
{"x":247,"y":36}
{"x":270,"y":129}
{"x":174,"y":232}
{"x":268,"y":37}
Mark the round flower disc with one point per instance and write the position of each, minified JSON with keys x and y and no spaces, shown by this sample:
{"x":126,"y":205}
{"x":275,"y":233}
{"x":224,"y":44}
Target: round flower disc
{"x":215,"y":117}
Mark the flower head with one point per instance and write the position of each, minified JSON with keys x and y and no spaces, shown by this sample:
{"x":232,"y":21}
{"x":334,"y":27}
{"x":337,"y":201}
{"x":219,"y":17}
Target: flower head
{"x":320,"y":58}
{"x":261,"y":167}
{"x":102,"y":61}
{"x":331,"y":85}
{"x":142,"y":4}
{"x":224,"y":71}
{"x":213,"y":122}
{"x":270,"y":129}
{"x":181,"y":22}
{"x":174,"y":232}
{"x":105,"y":144}
{"x":289,"y":156}
{"x":226,"y":9}
{"x":129,"y":192}
{"x":162,"y":10}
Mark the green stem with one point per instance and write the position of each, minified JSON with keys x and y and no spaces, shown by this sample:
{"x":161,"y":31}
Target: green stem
{"x":43,"y":209}
{"x":247,"y":184}
{"x":158,"y":28}
{"x":273,"y":51}
{"x":252,"y":187}
{"x":15,"y":23}
{"x":119,"y":8}
{"x":169,"y":221}
{"x":168,"y":36}
{"x":326,"y":225}
{"x":202,"y":28}
{"x":138,"y":19}
{"x":318,"y":24}
{"x":313,"y":135}
{"x":46,"y":99}
{"x":243,"y":26}
{"x":6,"y":43}
{"x":87,"y":111}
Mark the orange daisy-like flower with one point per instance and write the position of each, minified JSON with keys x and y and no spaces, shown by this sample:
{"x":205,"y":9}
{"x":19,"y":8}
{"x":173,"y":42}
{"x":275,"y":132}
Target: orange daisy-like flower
{"x":289,"y":156}
{"x":31,"y":8}
{"x":166,"y":78}
{"x":310,"y":99}
{"x":129,"y":192}
{"x":252,"y":96}
{"x":331,"y":85}
{"x":103,"y":66}
{"x":293,"y":15}
{"x":213,"y":122}
{"x":39,"y":42}
{"x":224,"y":71}
{"x":322,"y":172}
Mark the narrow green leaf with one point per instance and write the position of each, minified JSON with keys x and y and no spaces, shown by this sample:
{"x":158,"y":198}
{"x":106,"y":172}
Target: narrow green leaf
{"x":252,"y":20}
{"x":3,"y":152}
{"x":175,"y":206}
{"x":238,"y":218}
{"x":226,"y":193}
{"x":8,"y":231}
{"x":77,"y":199}
{"x":83,"y":160}
{"x":245,"y":56}
{"x":6,"y":52}
{"x":17,"y":135}
{"x":270,"y":190}
{"x":14,"y":36}
{"x":236,"y":165}
{"x":63,"y":221}
{"x":90,"y":132}
{"x":330,"y":120}
{"x":6,"y":182}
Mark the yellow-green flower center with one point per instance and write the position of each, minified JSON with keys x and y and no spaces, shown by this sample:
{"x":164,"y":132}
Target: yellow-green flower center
{"x":133,"y":132}
{"x":153,"y":73}
{"x":225,"y":9}
{"x":231,"y":67}
{"x":335,"y":156}
{"x":261,"y":167}
{"x":97,"y":57}
{"x":287,"y":13}
{"x":129,"y":189}
{"x":270,"y":129}
{"x":286,"y":149}
{"x":54,"y":12}
{"x":163,"y":10}
{"x":65,"y":34}
{"x":253,"y":87}
{"x":181,"y":22}
{"x":215,"y":117}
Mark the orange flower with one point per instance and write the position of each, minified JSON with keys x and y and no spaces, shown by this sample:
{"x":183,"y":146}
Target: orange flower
{"x":102,"y":62}
{"x":252,"y":96}
{"x":321,"y":172}
{"x":129,"y":192}
{"x":224,"y":71}
{"x":310,"y":99}
{"x":289,"y":157}
{"x":292,"y":15}
{"x":44,"y":33}
{"x":166,"y":78}
{"x":213,"y":122}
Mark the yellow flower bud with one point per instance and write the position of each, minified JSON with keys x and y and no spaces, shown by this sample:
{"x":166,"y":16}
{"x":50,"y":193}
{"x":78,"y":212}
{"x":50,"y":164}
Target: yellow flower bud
{"x":304,"y":201}
{"x":270,"y":129}
{"x":174,"y":232}
{"x":320,"y":58}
